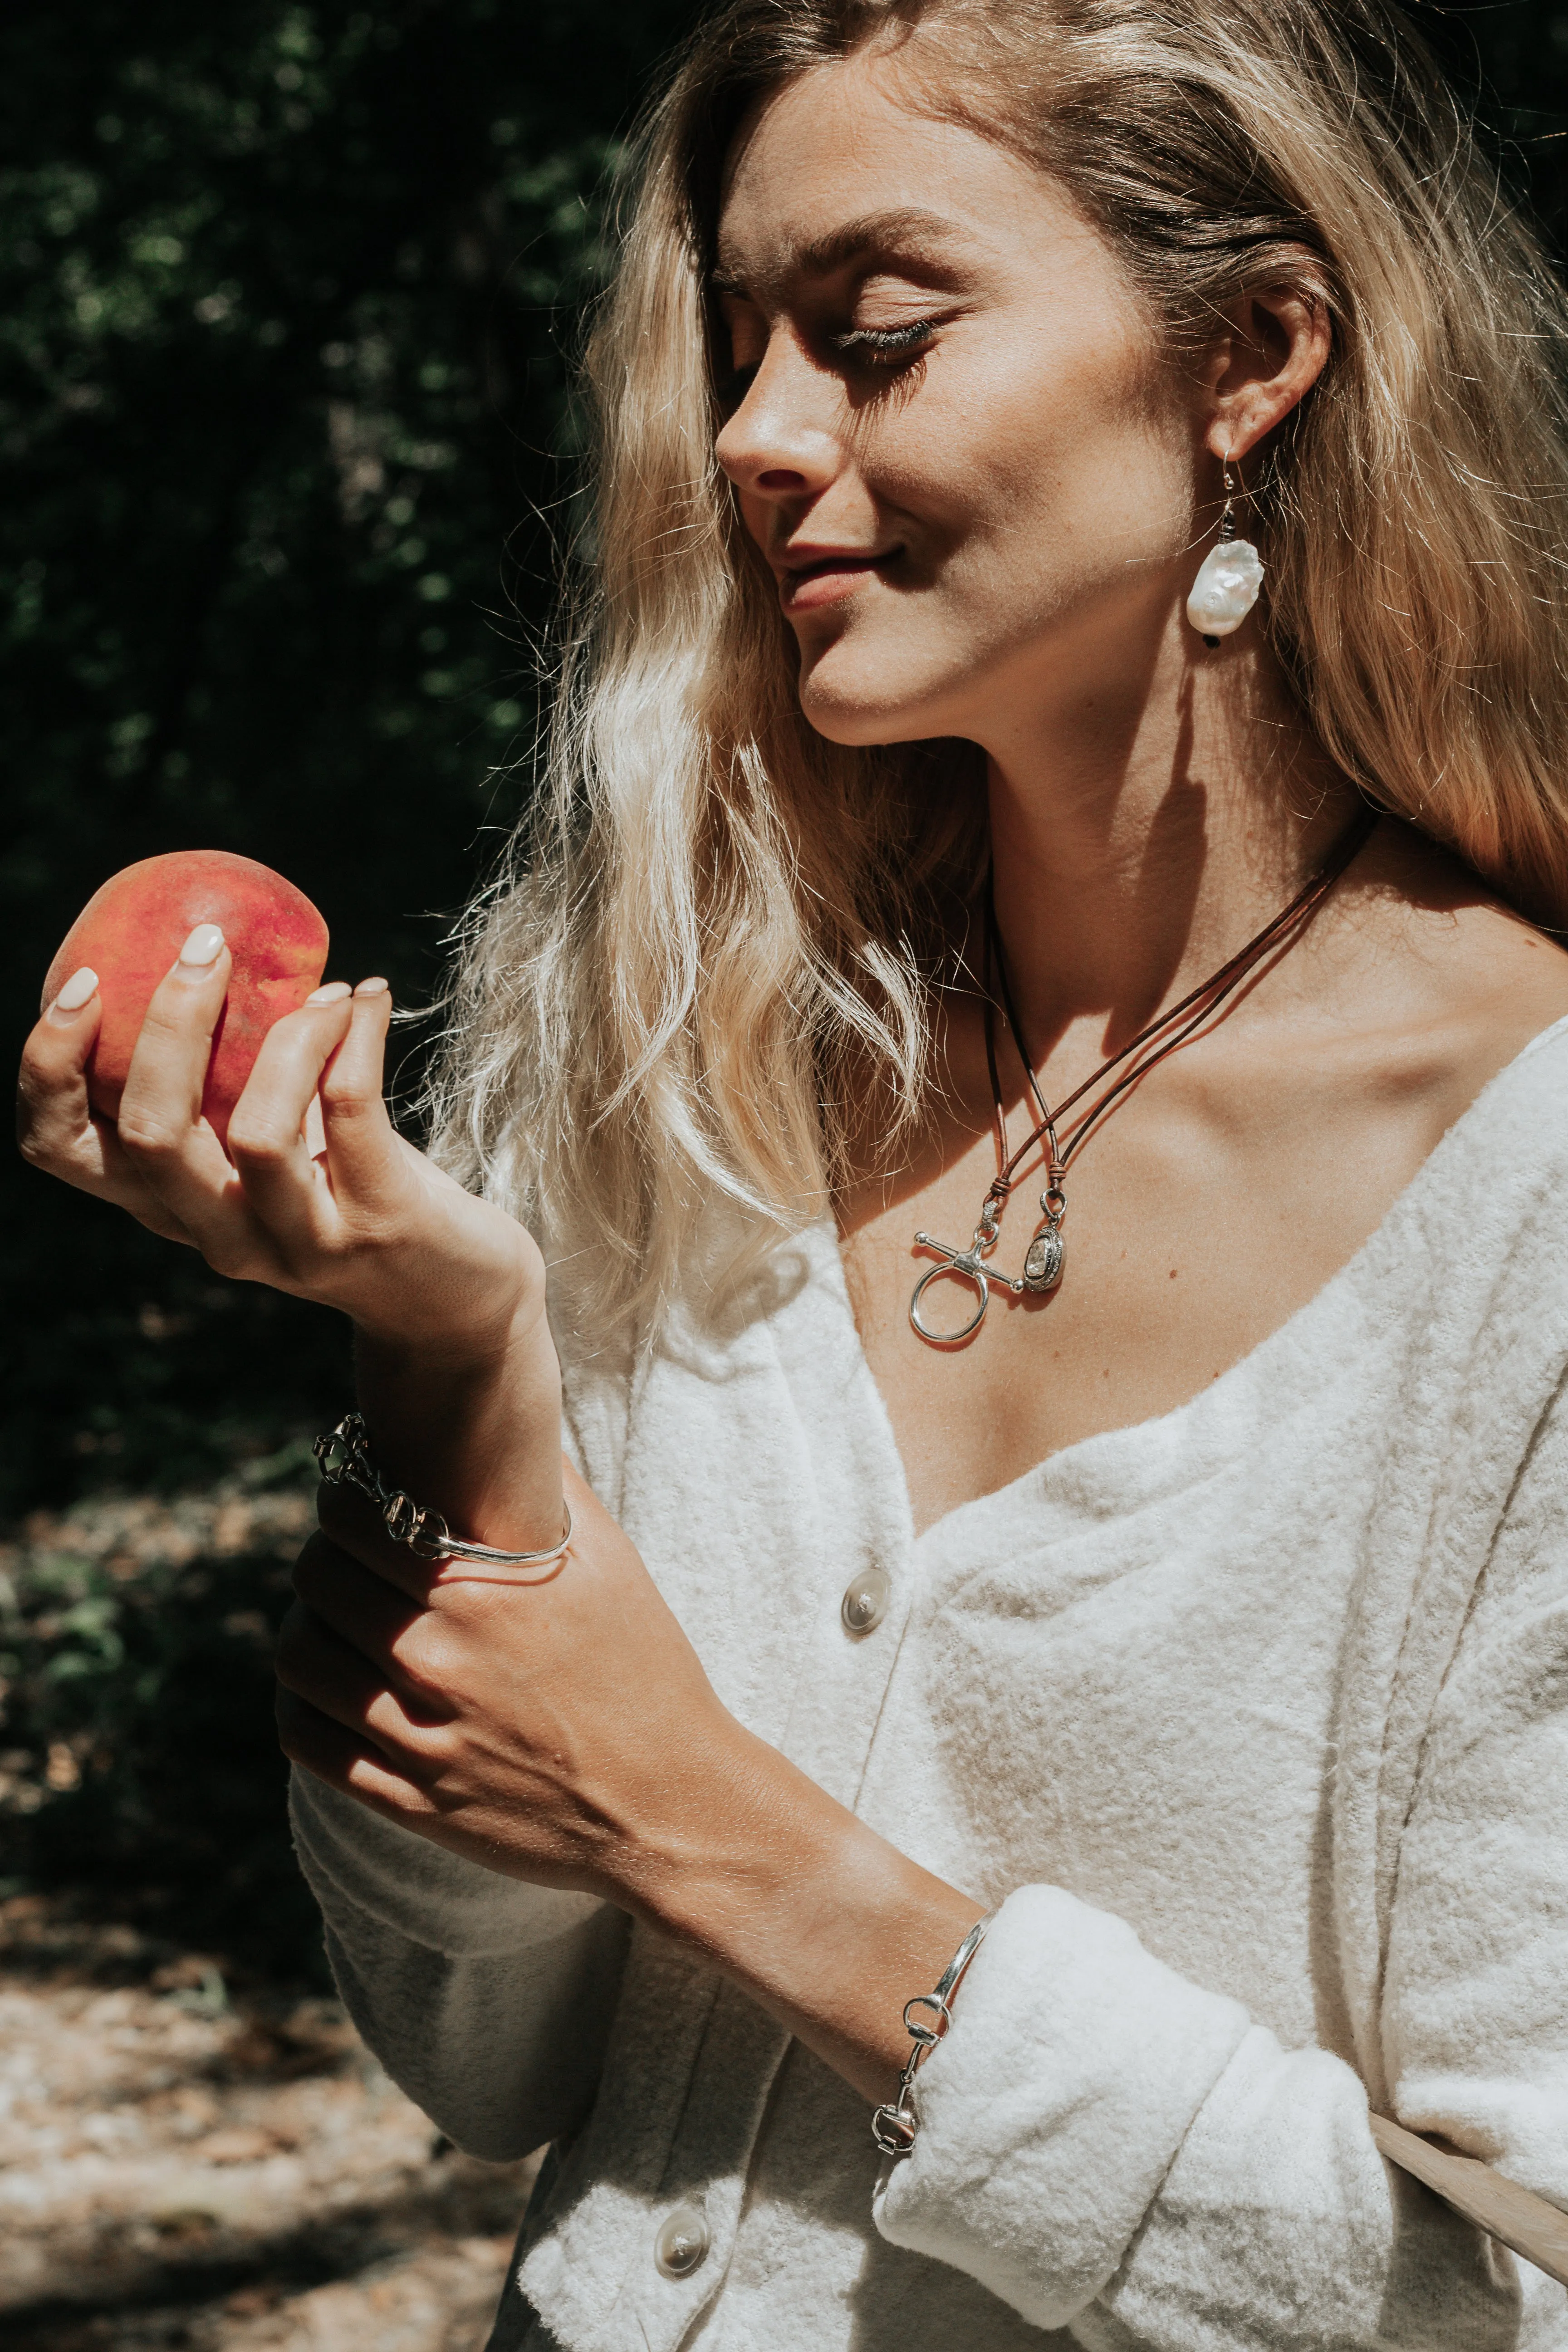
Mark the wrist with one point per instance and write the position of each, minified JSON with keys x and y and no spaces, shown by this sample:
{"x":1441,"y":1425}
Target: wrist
{"x":476,"y":1437}
{"x":514,"y":1326}
{"x":822,"y":1921}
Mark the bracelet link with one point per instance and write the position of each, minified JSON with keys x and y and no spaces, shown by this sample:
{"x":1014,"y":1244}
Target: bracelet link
{"x":928,"y":2036}
{"x":894,"y":2127}
{"x":403,"y":1519}
{"x":334,"y":1458}
{"x":342,"y":1456}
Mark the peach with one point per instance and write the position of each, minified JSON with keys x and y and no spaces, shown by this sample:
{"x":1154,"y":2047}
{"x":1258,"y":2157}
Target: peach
{"x":133,"y":930}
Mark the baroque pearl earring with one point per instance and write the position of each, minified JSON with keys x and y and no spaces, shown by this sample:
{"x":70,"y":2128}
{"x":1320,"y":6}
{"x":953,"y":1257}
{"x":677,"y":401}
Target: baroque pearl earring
{"x":1229,"y":577}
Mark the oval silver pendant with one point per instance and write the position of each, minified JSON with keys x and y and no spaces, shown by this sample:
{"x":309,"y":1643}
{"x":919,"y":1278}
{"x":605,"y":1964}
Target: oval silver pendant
{"x":1042,"y":1265}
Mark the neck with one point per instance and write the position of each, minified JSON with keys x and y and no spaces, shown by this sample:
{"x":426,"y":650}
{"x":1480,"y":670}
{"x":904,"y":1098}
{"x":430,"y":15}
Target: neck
{"x":1141,"y":835}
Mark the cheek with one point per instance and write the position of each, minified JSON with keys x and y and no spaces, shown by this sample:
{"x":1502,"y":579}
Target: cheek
{"x":1066,"y":468}
{"x":1043,"y":485}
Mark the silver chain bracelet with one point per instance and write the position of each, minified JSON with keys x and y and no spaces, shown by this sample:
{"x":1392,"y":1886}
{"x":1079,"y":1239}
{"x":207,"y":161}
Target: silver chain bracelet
{"x":344,"y":1460}
{"x":894,"y":2127}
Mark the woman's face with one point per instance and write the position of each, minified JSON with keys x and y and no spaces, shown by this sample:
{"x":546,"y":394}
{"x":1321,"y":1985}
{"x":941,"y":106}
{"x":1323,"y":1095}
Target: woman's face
{"x":953,"y":436}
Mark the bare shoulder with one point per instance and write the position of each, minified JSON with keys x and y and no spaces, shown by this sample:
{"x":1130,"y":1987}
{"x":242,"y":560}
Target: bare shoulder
{"x":1447,"y":964}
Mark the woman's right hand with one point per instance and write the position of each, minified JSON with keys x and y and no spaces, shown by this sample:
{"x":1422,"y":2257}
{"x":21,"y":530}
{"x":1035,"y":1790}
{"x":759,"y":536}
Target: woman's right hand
{"x":447,"y":1289}
{"x":369,"y":1225}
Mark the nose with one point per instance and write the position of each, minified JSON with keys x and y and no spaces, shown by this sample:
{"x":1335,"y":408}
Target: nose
{"x":782,"y":442}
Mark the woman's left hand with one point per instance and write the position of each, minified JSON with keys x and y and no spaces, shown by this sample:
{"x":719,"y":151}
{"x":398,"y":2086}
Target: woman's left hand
{"x":563,"y":1731}
{"x":558,"y":1729}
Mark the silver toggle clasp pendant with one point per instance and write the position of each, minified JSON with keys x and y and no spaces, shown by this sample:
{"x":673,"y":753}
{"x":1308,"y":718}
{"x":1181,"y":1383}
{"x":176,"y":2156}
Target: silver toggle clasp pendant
{"x":968,"y":1265}
{"x":1043,"y":1259}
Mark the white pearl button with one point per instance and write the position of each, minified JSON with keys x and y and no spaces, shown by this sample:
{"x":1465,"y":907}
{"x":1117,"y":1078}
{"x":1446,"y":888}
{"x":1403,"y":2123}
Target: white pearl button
{"x":865,"y":1601}
{"x":683,"y":2241}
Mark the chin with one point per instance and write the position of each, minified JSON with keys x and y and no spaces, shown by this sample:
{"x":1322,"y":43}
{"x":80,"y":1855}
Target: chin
{"x":864,"y":702}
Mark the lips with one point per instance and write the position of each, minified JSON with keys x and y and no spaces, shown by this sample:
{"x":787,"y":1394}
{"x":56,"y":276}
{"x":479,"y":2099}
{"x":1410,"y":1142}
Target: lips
{"x":810,"y":576}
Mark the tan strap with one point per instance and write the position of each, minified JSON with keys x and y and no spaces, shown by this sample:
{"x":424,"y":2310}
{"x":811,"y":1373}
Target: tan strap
{"x":1521,"y":2219}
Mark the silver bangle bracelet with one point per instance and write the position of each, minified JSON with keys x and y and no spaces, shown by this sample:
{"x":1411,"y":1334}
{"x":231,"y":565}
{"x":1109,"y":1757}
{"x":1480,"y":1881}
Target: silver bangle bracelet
{"x":343,"y":1458}
{"x":894,"y":2127}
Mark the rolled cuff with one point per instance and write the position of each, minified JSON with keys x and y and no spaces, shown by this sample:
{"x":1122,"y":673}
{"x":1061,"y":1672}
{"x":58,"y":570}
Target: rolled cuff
{"x":1052,"y":2109}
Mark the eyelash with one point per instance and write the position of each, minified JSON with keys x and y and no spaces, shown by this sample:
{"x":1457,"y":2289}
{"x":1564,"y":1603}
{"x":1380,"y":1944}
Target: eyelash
{"x":882,"y":346}
{"x":879,"y":347}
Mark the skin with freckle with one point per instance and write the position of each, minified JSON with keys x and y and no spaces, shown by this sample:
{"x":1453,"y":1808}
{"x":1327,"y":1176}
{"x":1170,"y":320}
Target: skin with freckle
{"x":131,"y":931}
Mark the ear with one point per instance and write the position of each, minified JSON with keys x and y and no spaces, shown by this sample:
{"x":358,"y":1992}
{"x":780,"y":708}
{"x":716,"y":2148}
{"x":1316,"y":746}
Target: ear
{"x":1270,"y":351}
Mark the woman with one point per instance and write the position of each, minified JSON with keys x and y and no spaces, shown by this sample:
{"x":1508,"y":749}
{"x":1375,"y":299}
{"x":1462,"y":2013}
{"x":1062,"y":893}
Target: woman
{"x":1200,"y":1614}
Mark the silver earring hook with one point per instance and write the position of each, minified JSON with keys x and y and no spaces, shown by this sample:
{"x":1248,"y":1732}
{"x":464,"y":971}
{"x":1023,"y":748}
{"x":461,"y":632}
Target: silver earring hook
{"x":1231,"y":574}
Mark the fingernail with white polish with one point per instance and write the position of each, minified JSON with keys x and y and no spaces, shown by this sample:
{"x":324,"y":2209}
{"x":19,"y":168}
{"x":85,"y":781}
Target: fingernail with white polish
{"x":80,"y":989}
{"x":203,"y":946}
{"x":371,"y":988}
{"x":333,"y":994}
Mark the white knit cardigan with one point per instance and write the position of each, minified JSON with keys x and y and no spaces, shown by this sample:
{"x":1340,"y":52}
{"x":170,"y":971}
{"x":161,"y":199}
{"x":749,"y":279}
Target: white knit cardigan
{"x":1253,"y":1720}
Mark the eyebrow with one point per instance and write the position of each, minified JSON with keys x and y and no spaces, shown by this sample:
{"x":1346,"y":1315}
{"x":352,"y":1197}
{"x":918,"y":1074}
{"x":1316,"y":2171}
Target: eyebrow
{"x":908,"y":227}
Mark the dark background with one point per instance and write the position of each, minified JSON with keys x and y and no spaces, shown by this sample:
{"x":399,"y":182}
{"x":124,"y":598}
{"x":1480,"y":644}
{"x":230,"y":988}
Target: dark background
{"x":287,"y":299}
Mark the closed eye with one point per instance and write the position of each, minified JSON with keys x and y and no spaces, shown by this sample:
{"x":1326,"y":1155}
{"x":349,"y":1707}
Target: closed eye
{"x":882,"y":346}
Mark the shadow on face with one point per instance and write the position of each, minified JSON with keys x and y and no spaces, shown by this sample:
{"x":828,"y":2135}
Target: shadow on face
{"x":952,"y":429}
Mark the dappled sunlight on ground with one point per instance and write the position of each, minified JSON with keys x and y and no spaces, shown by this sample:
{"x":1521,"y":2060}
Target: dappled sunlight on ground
{"x":189,"y":2169}
{"x":184,"y":2168}
{"x":196,"y":2149}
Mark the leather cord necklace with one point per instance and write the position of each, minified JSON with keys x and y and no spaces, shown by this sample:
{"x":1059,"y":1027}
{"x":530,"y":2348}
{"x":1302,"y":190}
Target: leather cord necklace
{"x":1044,"y":1260}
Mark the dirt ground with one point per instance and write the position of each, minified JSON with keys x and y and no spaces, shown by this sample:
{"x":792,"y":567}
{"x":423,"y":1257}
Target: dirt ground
{"x":194,"y":2151}
{"x":185,"y":2166}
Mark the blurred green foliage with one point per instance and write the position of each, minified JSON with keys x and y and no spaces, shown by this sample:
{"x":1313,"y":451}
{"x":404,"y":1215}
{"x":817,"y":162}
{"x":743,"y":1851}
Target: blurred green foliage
{"x":286,"y":294}
{"x":138,"y":1756}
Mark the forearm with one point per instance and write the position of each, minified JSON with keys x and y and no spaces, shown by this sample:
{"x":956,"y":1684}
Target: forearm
{"x":1112,"y":2147}
{"x":1126,"y":2113}
{"x":824,"y":1923}
{"x":620,"y":1770}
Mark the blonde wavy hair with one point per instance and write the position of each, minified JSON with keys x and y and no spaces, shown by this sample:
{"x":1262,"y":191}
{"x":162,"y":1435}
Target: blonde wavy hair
{"x":714,"y":930}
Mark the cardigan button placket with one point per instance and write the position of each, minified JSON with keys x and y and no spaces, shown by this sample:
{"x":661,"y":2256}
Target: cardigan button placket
{"x":821,"y":1707}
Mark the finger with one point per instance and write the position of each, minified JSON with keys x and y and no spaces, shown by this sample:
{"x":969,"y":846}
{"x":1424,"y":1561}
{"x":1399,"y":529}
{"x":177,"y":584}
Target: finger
{"x":267,"y":1139}
{"x":312,"y":1739}
{"x":317,"y":1663}
{"x":161,"y":1125}
{"x":56,"y":1128}
{"x":54,"y":1116}
{"x":79,"y":992}
{"x":362,"y":1155}
{"x":362,"y":1607}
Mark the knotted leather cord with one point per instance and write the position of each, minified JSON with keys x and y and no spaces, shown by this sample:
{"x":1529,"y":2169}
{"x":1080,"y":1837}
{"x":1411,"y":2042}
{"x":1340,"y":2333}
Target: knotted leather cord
{"x":1165,"y":1036}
